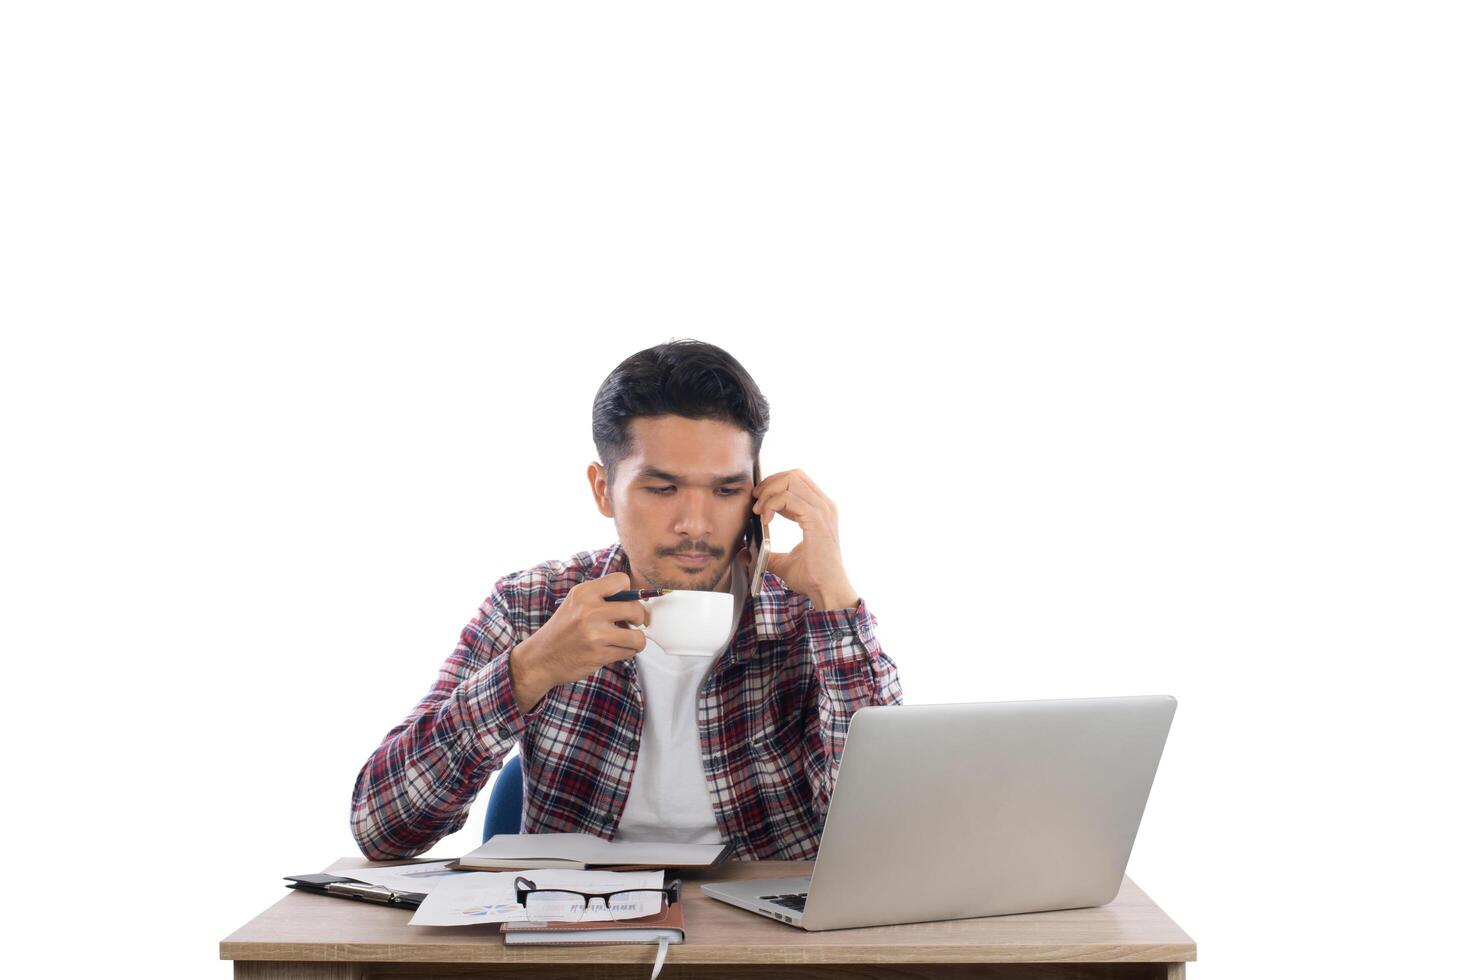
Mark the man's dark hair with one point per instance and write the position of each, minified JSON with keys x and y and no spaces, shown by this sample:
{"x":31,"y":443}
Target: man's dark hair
{"x":681,"y":377}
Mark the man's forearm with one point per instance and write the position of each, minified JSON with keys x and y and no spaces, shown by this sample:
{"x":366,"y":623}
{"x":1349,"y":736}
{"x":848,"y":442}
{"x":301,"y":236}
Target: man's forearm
{"x":852,"y":671}
{"x":418,"y":785}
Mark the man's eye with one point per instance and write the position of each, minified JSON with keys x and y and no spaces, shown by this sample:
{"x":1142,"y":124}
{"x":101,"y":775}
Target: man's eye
{"x":660,"y":489}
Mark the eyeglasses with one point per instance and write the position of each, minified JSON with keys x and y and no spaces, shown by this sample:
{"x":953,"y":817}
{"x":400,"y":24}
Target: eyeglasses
{"x":564,"y":905}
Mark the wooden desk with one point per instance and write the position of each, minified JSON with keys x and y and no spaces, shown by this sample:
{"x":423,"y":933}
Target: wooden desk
{"x":306,"y":937}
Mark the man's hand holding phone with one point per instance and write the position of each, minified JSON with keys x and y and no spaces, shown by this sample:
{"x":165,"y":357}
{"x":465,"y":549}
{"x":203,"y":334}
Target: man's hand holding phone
{"x":813,"y":567}
{"x":582,"y":636}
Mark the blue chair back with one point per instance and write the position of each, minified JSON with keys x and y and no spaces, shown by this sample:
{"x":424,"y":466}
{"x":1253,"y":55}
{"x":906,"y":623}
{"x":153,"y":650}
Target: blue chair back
{"x":503,"y":814}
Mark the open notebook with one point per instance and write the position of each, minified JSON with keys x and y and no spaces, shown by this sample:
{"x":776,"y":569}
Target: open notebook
{"x":516,"y":852}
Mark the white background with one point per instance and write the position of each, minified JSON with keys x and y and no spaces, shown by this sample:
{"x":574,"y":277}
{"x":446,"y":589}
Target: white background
{"x":1127,"y":337}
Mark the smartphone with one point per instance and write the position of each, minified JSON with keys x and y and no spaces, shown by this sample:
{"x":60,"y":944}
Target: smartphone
{"x":757,"y":540}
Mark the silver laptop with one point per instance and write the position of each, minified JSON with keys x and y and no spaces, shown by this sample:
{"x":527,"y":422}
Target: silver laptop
{"x":948,"y":811}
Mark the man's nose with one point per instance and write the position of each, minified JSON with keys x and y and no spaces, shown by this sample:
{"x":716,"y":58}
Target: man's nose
{"x":694,"y":516}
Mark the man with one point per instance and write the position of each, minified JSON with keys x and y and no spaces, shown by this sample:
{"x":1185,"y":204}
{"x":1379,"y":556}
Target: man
{"x":618,"y":738}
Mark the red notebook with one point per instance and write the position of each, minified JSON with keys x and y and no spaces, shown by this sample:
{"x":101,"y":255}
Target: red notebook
{"x":665,"y":926}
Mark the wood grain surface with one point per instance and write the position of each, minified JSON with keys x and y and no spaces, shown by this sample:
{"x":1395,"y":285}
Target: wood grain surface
{"x":303,"y":928}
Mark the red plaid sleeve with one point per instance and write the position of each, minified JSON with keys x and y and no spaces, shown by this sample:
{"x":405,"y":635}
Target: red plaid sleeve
{"x":417,"y":787}
{"x":851,"y":672}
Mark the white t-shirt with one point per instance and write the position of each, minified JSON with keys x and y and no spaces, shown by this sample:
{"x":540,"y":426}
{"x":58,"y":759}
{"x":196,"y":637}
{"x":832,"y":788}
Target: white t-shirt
{"x":669,"y":799}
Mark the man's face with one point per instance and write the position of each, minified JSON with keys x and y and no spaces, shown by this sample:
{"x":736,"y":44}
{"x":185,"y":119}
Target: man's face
{"x":685,"y":488}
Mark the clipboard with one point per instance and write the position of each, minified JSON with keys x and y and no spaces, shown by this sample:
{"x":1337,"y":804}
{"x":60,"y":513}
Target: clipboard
{"x":338,"y":887}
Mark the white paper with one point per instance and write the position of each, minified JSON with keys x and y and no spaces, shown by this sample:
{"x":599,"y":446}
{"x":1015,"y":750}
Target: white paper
{"x":489,"y":896}
{"x":423,"y":878}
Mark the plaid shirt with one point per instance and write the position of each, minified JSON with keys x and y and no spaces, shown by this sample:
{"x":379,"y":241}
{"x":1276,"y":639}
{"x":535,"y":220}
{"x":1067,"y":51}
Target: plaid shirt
{"x":772,"y":720}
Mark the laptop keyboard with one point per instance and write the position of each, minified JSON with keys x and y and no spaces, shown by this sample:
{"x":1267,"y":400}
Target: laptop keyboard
{"x":796,"y":902}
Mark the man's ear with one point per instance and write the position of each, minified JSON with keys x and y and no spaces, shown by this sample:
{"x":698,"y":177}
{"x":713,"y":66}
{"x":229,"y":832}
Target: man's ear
{"x":601,"y":492}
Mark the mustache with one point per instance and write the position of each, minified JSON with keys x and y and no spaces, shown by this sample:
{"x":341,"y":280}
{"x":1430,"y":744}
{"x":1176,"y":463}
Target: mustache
{"x":695,"y":551}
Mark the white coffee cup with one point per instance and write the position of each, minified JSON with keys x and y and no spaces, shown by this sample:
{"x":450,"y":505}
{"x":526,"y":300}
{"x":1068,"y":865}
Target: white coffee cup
{"x":689,"y":622}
